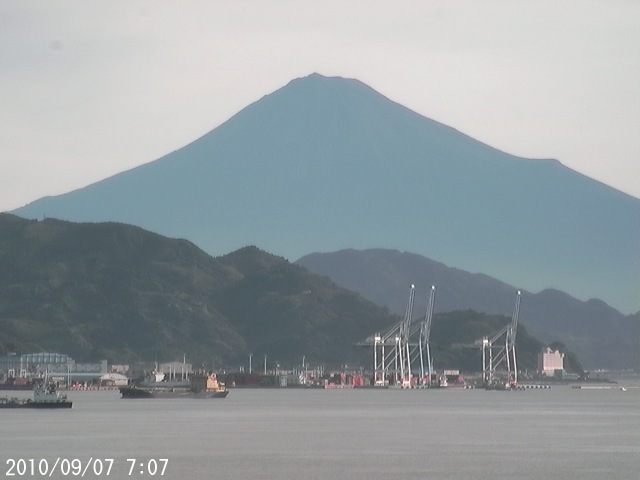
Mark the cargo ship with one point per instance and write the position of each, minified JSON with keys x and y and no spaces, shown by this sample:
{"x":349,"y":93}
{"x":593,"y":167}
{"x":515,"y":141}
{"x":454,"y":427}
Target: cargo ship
{"x":201,"y":386}
{"x":44,"y":396}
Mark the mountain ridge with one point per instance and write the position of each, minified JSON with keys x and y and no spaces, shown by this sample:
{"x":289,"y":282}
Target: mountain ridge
{"x":335,"y":165}
{"x":597,"y":333}
{"x":117,"y":292}
{"x":111,"y":290}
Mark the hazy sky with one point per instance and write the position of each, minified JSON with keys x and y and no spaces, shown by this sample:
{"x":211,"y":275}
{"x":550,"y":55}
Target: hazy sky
{"x":92,"y":88}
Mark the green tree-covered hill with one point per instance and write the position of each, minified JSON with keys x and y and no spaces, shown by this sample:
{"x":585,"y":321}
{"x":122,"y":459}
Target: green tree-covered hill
{"x":119,"y":292}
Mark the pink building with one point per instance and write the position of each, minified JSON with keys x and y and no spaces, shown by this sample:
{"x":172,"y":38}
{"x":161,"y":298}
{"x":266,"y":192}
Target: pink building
{"x":550,"y":361}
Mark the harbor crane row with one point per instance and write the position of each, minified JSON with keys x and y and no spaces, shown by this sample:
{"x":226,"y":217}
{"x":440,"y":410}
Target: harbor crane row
{"x":397,"y":351}
{"x":503,"y":343}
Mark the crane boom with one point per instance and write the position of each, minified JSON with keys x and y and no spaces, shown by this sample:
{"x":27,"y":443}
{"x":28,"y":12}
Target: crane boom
{"x":403,"y":349}
{"x":425,"y":336}
{"x":510,"y":343}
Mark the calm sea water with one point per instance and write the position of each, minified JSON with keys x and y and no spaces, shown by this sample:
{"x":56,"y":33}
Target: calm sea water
{"x":335,"y":434}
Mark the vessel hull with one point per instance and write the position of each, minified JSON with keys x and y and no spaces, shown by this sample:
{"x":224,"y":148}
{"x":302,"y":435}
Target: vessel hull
{"x":137,"y":393}
{"x":50,"y":405}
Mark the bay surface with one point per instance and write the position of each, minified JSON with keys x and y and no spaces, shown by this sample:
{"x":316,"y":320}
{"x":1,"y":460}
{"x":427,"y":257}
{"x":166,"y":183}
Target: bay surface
{"x":338,"y":434}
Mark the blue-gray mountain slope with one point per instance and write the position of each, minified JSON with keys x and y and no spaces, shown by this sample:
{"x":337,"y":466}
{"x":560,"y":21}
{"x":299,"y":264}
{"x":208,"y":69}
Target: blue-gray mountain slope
{"x":328,"y":163}
{"x":599,"y":335}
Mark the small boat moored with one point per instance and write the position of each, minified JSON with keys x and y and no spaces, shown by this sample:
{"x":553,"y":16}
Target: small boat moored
{"x":44,"y":396}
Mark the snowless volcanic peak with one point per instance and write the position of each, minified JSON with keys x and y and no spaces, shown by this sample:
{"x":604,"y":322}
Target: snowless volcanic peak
{"x":327,"y":163}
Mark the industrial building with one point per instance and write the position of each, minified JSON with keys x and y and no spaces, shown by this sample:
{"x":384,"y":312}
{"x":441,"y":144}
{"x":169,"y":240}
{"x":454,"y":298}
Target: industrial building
{"x":18,"y":370}
{"x":551,"y":362}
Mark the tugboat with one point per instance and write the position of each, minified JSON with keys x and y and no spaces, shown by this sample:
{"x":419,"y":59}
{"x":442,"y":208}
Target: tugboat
{"x":201,"y":386}
{"x":44,"y":396}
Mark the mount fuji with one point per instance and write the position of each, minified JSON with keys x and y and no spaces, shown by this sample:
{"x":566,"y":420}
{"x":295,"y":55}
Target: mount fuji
{"x":325,"y":164}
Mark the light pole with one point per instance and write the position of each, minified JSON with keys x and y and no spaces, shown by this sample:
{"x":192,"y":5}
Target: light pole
{"x":265,"y":365}
{"x":250,"y":355}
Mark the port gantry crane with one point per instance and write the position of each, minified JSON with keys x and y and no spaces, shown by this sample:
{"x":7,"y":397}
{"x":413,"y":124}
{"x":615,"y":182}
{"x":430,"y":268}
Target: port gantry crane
{"x":396,"y":350}
{"x":424,"y":348}
{"x":403,"y":349}
{"x":505,"y":352}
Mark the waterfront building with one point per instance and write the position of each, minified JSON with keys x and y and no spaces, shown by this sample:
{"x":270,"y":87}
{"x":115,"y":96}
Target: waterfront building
{"x":551,"y":362}
{"x":175,"y":370}
{"x":21,"y":370}
{"x":33,"y":364}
